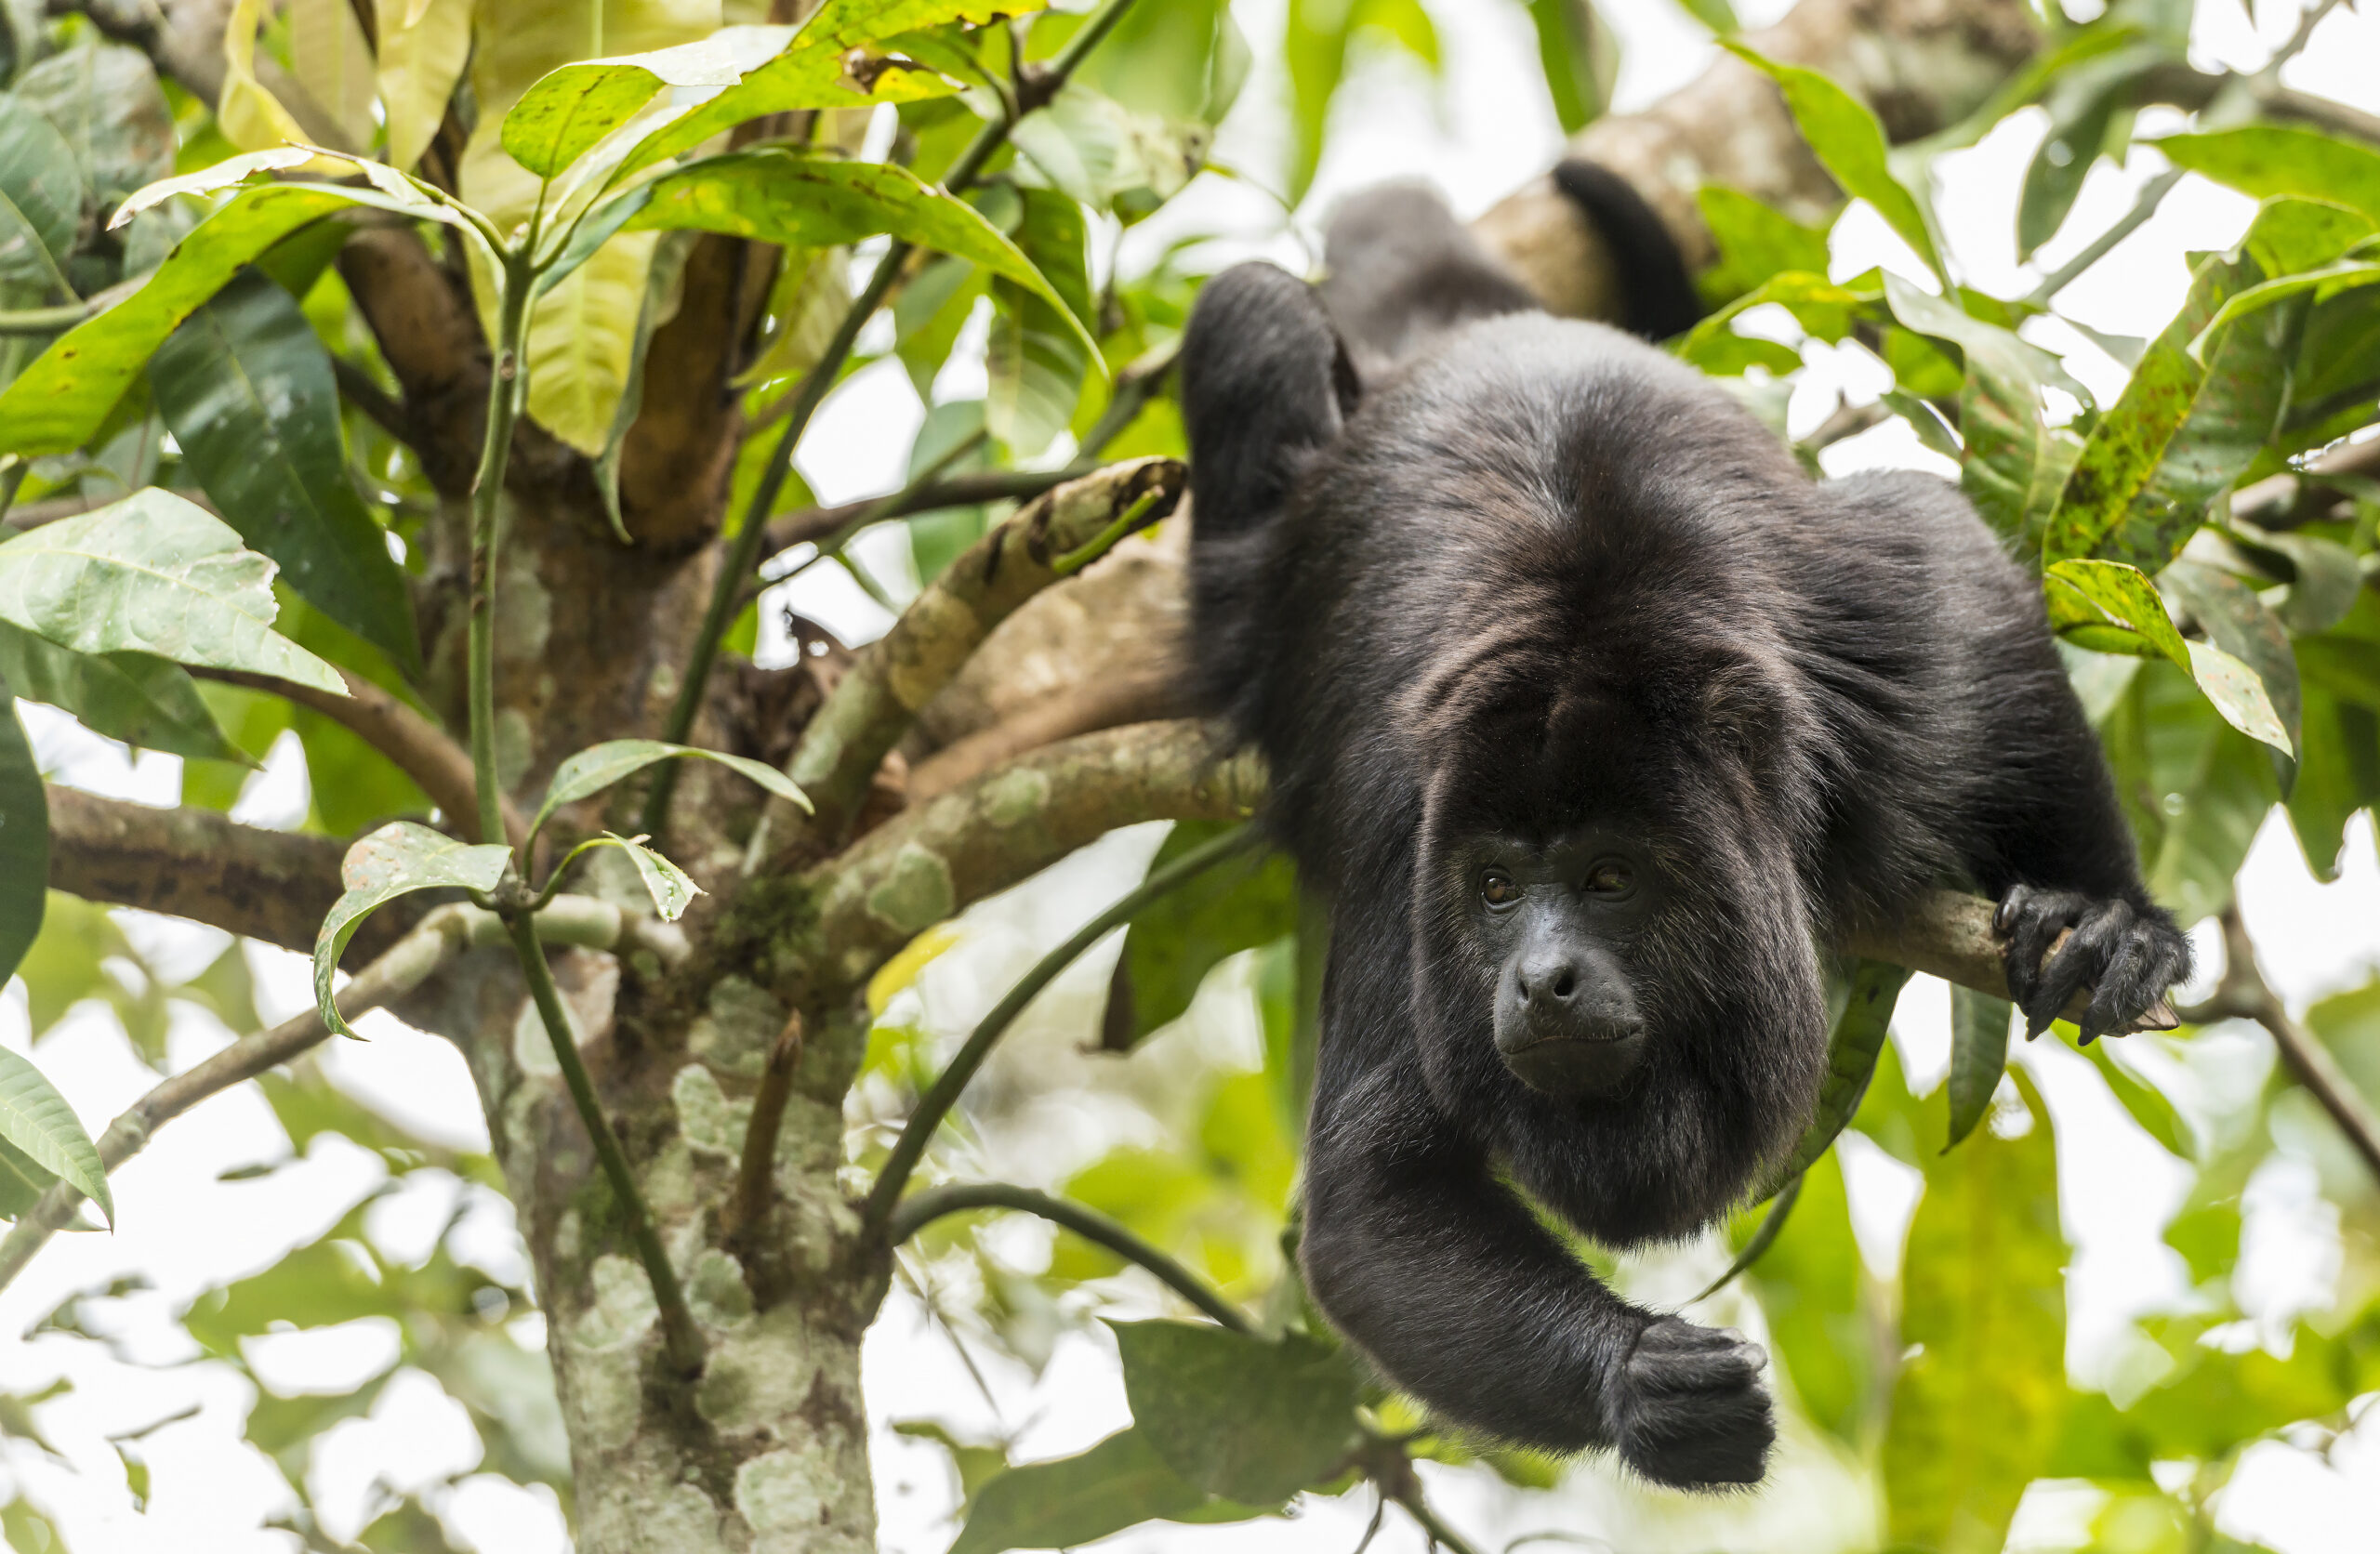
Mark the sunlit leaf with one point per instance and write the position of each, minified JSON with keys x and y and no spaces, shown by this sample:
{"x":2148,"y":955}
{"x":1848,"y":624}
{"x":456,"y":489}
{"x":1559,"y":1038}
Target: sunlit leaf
{"x":137,"y":697}
{"x":246,"y":387}
{"x":152,"y":573}
{"x":1035,"y":360}
{"x":1756,"y":240}
{"x":423,"y":47}
{"x":2236,"y":621}
{"x":331,"y":60}
{"x":248,"y":113}
{"x":2113,"y":608}
{"x":36,"y":1119}
{"x":396,"y":859}
{"x":2268,"y":160}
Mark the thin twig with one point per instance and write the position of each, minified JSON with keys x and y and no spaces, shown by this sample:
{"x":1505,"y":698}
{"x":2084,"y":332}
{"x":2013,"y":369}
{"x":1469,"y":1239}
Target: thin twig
{"x":944,"y":1092}
{"x":405,"y":965}
{"x":1847,"y":421}
{"x":2098,"y":248}
{"x":418,"y":748}
{"x":2244,"y":994}
{"x":744,"y":552}
{"x":2307,"y":20}
{"x":756,"y":1172}
{"x":41,"y":323}
{"x":682,"y":1338}
{"x":1437,"y":1531}
{"x":934,"y":1202}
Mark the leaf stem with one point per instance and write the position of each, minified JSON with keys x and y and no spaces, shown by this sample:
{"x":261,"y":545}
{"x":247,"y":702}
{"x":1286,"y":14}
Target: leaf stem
{"x":504,"y":397}
{"x":743,"y":552}
{"x":944,"y":1092}
{"x":44,"y":321}
{"x":683,"y":1339}
{"x":920,"y":1210}
{"x":2098,"y":248}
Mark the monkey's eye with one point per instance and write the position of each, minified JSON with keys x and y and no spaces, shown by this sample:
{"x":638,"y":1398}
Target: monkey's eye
{"x":1497,"y":889}
{"x":1610,"y":878}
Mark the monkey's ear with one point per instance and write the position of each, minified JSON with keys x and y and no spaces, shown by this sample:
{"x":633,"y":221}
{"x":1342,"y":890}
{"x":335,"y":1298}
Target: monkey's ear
{"x":1264,"y":379}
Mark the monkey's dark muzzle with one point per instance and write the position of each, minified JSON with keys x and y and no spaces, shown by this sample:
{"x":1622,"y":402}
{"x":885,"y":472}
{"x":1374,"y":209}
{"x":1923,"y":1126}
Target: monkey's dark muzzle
{"x":1570,"y":1029}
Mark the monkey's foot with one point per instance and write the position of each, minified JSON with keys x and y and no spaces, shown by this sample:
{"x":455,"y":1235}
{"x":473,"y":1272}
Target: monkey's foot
{"x":1690,"y":1411}
{"x":2128,"y":958}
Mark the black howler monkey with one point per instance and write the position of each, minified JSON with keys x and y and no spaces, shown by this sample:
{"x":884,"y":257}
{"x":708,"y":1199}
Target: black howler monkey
{"x":1599,"y":724}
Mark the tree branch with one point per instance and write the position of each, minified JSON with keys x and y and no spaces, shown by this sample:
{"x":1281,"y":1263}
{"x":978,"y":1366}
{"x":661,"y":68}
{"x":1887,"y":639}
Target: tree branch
{"x":412,"y":960}
{"x":418,"y":748}
{"x":874,"y":703}
{"x":271,"y":885}
{"x":1133,"y":696}
{"x":386,"y":410}
{"x":936,"y":1102}
{"x":1948,"y":934}
{"x":756,"y":1171}
{"x":927,"y":862}
{"x":2285,"y":501}
{"x":2244,"y":994}
{"x":920,"y":1210}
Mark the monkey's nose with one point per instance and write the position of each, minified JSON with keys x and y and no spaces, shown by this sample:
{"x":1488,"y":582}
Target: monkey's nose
{"x":1575,"y":1029}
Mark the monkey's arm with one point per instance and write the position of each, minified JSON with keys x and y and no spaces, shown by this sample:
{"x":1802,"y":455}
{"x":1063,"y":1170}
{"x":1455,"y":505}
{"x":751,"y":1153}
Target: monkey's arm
{"x":1442,"y":1275}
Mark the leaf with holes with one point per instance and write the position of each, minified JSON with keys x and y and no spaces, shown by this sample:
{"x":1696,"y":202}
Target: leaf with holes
{"x":400,"y":857}
{"x":36,"y":1119}
{"x":153,"y":573}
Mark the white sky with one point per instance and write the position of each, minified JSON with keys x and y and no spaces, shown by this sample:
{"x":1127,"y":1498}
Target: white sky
{"x":1476,"y":135}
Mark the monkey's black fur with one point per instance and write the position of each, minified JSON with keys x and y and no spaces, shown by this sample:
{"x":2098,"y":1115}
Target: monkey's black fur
{"x":1572,"y":683}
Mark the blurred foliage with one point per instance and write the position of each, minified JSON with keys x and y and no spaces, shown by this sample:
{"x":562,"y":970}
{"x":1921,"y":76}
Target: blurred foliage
{"x":2229,"y":652}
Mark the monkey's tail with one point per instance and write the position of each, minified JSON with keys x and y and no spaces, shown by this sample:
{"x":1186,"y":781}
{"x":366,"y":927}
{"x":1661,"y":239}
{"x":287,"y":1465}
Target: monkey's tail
{"x":1658,"y":297}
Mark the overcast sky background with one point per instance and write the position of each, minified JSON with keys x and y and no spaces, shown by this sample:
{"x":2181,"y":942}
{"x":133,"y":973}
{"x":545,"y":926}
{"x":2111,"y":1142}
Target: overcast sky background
{"x":1487,"y":127}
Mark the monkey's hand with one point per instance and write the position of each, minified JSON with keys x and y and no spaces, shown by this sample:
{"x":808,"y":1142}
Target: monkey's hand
{"x":1689,"y":1410}
{"x":2127,"y":956}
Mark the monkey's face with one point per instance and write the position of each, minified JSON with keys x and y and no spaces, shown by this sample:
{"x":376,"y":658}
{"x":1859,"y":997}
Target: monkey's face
{"x":1617,"y":972}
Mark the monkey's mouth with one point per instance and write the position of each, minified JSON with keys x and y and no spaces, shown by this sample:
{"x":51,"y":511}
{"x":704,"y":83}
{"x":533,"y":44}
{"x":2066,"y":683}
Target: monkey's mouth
{"x":1571,"y":1065}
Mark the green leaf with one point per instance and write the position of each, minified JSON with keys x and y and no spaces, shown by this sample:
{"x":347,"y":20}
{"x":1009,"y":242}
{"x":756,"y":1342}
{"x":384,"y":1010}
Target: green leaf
{"x":36,"y":1118}
{"x":804,"y":199}
{"x":1814,"y":1295}
{"x":137,"y":697}
{"x":2186,"y":427}
{"x":1236,"y":1415}
{"x":1580,"y":60}
{"x":2147,"y":1105}
{"x":1756,"y":242}
{"x":2268,"y":160}
{"x":1118,"y":1484}
{"x":598,"y":766}
{"x":104,"y":100}
{"x":24,"y":844}
{"x":2089,"y":103}
{"x":423,"y":48}
{"x":41,"y":199}
{"x":152,"y":573}
{"x":1171,"y":946}
{"x":1851,"y":1051}
{"x":560,"y":118}
{"x":1850,"y":142}
{"x":400,"y":857}
{"x":61,"y":400}
{"x":1823,"y":307}
{"x":832,"y":62}
{"x":2338,"y":773}
{"x":1979,"y":1402}
{"x":663,"y":880}
{"x":1034,"y":360}
{"x":1979,"y":1056}
{"x":246,"y":387}
{"x":1717,"y":15}
{"x":2236,"y":621}
{"x":2113,"y":608}
{"x":2329,"y":281}
{"x":1317,"y":47}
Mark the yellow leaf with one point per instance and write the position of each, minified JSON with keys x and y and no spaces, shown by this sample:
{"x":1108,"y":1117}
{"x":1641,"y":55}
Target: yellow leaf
{"x":423,"y":44}
{"x":251,"y":117}
{"x":582,"y":335}
{"x":895,"y":975}
{"x":333,"y":62}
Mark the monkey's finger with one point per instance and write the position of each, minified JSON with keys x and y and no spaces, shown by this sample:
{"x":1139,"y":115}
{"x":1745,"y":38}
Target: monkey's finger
{"x":2004,"y":918}
{"x":2076,"y":962}
{"x":2117,"y":995}
{"x":2037,"y":922}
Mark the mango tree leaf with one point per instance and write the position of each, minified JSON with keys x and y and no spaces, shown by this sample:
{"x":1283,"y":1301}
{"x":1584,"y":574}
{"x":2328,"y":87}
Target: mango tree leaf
{"x":24,"y":844}
{"x":246,"y":113}
{"x":1850,"y":142}
{"x":1577,"y":56}
{"x":1236,"y":1415}
{"x":64,"y":397}
{"x":2013,"y":463}
{"x":105,"y":101}
{"x":1851,"y":1051}
{"x":1093,"y":149}
{"x":1824,"y":308}
{"x":2268,"y":160}
{"x":2110,"y":607}
{"x":2236,"y":620}
{"x":2324,"y":576}
{"x":2330,"y":280}
{"x":1756,"y":240}
{"x":423,"y":47}
{"x":1075,"y":1500}
{"x":36,"y":1118}
{"x":820,"y":70}
{"x":1979,"y":1056}
{"x":1036,"y":362}
{"x":246,"y":387}
{"x":1180,"y":938}
{"x":41,"y":199}
{"x":400,"y":857}
{"x":1316,"y":45}
{"x":2089,"y":103}
{"x":332,"y":59}
{"x":1815,"y":1296}
{"x":152,"y":573}
{"x":803,"y":199}
{"x":2185,"y":426}
{"x":2147,"y":1105}
{"x":664,"y":881}
{"x":1979,"y":1402}
{"x":561,"y":117}
{"x":2338,"y":773}
{"x":141,"y":699}
{"x":598,"y":766}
